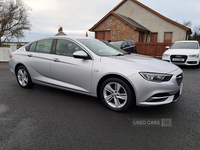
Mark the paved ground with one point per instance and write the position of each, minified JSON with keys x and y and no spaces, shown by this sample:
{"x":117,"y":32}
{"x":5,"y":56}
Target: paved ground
{"x":46,"y":118}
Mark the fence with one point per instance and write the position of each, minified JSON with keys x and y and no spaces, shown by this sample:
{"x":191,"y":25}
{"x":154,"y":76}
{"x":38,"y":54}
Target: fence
{"x":5,"y":51}
{"x":152,"y":49}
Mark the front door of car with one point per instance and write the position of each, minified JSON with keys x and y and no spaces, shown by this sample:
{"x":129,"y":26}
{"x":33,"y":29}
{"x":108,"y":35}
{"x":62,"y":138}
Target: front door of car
{"x":69,"y":72}
{"x":39,"y":60}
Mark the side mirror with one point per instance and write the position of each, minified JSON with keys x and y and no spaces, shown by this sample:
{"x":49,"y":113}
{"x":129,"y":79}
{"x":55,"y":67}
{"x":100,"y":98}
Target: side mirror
{"x":167,"y":47}
{"x":81,"y":54}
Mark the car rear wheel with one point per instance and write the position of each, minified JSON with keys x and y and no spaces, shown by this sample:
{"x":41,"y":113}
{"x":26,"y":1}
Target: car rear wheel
{"x":23,"y":77}
{"x":116,"y":94}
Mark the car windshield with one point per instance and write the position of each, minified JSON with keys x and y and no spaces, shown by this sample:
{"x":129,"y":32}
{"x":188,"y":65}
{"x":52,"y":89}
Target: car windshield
{"x":184,"y":45}
{"x":101,"y":48}
{"x":117,"y":44}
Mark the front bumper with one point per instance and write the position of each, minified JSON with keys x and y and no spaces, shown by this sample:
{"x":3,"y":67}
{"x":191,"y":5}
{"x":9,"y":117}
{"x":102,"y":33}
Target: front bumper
{"x":188,"y":61}
{"x":150,"y":93}
{"x":161,"y":100}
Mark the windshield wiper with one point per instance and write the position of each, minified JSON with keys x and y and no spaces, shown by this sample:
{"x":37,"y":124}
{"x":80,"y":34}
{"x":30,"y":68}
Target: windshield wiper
{"x":119,"y":55}
{"x":122,"y":54}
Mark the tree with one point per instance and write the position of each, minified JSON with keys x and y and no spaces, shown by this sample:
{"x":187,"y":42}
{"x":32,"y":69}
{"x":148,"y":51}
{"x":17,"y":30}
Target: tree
{"x":14,"y":20}
{"x":196,"y":34}
{"x":195,"y":31}
{"x":187,"y":23}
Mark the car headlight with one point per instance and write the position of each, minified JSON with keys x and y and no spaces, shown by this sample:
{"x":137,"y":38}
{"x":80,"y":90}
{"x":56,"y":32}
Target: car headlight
{"x":166,"y":55}
{"x":195,"y":56}
{"x":156,"y":77}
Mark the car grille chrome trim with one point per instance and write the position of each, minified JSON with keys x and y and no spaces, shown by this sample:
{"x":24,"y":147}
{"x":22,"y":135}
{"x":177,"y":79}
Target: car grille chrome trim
{"x":178,"y":58}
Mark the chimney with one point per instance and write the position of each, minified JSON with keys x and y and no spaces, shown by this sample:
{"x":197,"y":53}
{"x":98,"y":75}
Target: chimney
{"x":60,"y":29}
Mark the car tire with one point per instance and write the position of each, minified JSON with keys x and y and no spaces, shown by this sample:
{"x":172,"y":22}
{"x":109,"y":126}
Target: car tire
{"x":23,"y":77}
{"x":116,"y":94}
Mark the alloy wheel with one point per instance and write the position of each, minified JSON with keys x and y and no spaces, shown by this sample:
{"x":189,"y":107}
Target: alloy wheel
{"x":115,"y":95}
{"x":22,"y":77}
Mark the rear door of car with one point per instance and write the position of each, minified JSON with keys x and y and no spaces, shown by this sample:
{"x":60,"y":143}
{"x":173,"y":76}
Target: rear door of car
{"x":69,"y":72}
{"x":39,"y":58}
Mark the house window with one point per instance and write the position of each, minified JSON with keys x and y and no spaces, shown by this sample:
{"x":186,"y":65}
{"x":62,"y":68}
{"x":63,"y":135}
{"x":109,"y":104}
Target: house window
{"x":154,"y":37}
{"x":168,"y":37}
{"x":103,"y":35}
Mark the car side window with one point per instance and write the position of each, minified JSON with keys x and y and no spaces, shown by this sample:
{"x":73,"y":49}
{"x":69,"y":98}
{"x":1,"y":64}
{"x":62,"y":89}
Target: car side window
{"x":32,"y":47}
{"x":44,"y":46}
{"x":66,"y":48}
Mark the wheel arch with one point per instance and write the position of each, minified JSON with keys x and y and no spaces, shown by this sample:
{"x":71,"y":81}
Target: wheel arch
{"x":114,"y":76}
{"x":29,"y":83}
{"x":19,"y":64}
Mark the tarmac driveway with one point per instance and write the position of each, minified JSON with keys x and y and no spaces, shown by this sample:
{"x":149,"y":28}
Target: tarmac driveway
{"x":48,"y":118}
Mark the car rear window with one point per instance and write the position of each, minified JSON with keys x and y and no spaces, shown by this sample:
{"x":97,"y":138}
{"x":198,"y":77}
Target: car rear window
{"x":185,"y":45}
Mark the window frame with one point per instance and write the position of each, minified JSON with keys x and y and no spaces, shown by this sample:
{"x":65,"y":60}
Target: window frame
{"x":35,"y":46}
{"x":51,"y":49}
{"x":83,"y":49}
{"x":165,"y":40}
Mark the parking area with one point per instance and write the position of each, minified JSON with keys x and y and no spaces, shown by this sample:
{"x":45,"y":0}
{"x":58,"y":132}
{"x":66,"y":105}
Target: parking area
{"x":48,"y":118}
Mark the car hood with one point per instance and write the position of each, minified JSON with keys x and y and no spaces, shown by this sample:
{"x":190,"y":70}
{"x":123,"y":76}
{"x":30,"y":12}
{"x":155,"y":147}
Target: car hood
{"x":182,"y":51}
{"x":141,"y":62}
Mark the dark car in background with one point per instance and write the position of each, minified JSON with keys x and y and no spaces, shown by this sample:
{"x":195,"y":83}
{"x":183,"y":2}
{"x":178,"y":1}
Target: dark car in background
{"x":127,"y":45}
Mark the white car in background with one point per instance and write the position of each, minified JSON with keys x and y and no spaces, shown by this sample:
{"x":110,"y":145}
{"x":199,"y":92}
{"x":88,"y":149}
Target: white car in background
{"x":183,"y":53}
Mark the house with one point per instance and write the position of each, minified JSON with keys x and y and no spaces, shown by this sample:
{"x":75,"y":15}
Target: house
{"x":132,"y":20}
{"x":60,"y":32}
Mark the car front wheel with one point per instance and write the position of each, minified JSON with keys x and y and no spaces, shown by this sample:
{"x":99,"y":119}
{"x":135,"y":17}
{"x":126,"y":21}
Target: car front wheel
{"x":23,"y":77}
{"x":116,"y":94}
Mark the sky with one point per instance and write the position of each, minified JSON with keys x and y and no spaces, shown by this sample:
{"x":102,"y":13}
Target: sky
{"x":78,"y":16}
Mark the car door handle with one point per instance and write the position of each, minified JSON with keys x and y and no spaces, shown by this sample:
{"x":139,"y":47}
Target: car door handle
{"x":30,"y":55}
{"x":56,"y":60}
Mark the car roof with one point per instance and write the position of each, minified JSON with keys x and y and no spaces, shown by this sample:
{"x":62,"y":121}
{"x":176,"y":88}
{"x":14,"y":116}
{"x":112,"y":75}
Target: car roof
{"x":116,"y":41}
{"x":63,"y":37}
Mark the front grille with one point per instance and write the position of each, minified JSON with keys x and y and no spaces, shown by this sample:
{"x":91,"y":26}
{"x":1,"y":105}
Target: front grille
{"x":178,"y":58}
{"x":179,"y":79}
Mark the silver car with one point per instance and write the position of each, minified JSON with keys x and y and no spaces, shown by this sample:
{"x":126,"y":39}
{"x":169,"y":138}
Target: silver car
{"x":91,"y":67}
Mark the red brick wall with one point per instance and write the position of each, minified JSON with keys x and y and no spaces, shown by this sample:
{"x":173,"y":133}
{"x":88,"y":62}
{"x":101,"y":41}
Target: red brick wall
{"x":119,"y":29}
